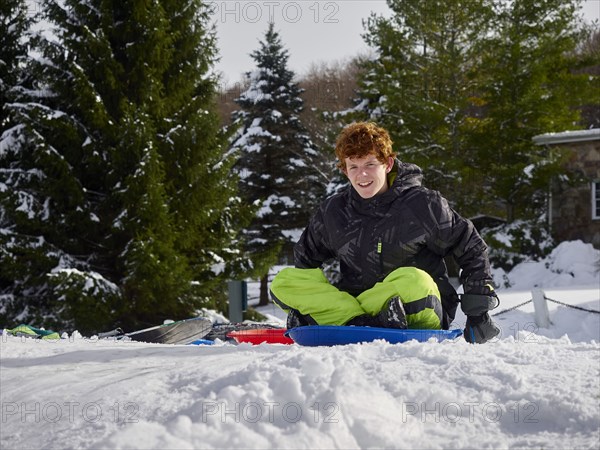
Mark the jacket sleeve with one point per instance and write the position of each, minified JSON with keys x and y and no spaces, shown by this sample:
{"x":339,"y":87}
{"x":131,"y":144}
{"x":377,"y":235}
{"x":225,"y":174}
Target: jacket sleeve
{"x":312,"y":249}
{"x":453,"y":234}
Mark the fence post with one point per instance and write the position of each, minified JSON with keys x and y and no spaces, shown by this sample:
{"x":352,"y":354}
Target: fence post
{"x":238,"y":300}
{"x":542,"y":316}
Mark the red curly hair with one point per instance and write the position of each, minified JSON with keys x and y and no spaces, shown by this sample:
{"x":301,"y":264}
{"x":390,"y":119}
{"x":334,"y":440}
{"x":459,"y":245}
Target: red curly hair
{"x":360,"y":139}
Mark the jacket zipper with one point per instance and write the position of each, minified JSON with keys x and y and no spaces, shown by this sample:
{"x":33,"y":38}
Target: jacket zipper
{"x":380,"y":253}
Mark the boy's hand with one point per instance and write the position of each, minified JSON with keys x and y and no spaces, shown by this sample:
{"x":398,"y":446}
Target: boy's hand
{"x":475,"y":304}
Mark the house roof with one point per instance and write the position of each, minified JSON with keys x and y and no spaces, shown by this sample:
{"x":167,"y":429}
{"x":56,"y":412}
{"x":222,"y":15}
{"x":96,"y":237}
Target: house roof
{"x":567,"y":136}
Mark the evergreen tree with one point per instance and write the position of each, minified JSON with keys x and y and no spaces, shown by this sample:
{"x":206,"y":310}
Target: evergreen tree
{"x":32,"y":177}
{"x":279,"y":166}
{"x":202,"y":188}
{"x":530,"y":89}
{"x":14,"y":23}
{"x":420,"y":82}
{"x":588,"y":62}
{"x":126,"y":198}
{"x":464,"y":85}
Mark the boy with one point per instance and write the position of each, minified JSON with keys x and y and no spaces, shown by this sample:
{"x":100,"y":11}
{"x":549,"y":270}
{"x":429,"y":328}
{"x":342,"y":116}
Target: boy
{"x":390,"y":235}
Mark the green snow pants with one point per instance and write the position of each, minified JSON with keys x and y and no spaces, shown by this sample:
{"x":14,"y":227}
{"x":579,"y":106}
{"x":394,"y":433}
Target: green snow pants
{"x":309,"y":292}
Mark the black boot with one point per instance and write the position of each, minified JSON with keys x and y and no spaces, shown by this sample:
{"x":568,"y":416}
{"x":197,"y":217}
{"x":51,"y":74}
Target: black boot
{"x":364,"y":320}
{"x":296,"y":319}
{"x":393,"y":315}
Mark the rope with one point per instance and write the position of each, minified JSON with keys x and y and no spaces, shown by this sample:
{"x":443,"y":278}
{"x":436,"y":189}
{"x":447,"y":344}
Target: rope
{"x":572,"y":306}
{"x":550,"y":300}
{"x":514,"y":307}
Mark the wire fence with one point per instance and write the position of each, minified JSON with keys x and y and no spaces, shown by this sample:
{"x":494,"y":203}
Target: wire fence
{"x":572,"y":306}
{"x":593,"y":311}
{"x":513,"y":308}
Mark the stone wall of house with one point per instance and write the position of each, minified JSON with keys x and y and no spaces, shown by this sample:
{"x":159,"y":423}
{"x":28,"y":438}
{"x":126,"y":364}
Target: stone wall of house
{"x":572,"y":206}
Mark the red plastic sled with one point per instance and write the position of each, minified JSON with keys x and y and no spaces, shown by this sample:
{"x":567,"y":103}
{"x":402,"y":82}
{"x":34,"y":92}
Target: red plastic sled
{"x":261,"y":335}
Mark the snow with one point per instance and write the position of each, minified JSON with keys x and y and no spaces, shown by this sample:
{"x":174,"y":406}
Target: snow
{"x":253,"y":131}
{"x":568,"y":264}
{"x":528,"y":171}
{"x":94,"y":283}
{"x":266,"y":209}
{"x":26,"y":204}
{"x":591,"y":134}
{"x":531,"y":387}
{"x":8,"y":140}
{"x":297,"y":162}
{"x":293,"y":235}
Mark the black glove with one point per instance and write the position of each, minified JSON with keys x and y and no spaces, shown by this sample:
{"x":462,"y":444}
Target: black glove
{"x":475,"y":304}
{"x":481,"y":289}
{"x":480,"y":329}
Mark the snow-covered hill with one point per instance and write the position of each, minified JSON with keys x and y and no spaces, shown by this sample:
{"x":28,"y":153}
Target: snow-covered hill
{"x":532,"y":387}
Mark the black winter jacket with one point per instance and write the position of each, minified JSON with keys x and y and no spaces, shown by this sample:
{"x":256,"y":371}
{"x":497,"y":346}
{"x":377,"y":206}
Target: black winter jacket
{"x":408,"y":225}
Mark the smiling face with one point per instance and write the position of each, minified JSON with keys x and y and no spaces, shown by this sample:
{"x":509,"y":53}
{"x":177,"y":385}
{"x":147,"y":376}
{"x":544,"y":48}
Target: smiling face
{"x":368,"y":175}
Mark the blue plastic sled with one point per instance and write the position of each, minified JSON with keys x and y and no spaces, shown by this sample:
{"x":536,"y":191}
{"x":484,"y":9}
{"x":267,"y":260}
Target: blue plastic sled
{"x":202,"y":342}
{"x":328,"y":335}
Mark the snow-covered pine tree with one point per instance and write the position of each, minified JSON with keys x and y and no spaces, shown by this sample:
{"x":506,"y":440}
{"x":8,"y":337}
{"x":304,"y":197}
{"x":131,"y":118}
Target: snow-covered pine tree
{"x":201,"y":188}
{"x":14,"y":24}
{"x":27,"y":253}
{"x":420,"y":81}
{"x":279,"y":166}
{"x":117,"y":168}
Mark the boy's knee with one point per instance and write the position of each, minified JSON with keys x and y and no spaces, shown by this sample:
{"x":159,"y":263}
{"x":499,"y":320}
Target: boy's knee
{"x":413,"y":279}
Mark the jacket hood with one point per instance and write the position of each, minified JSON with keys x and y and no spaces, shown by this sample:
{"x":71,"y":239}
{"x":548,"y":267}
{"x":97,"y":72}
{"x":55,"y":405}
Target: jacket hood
{"x":405,"y":176}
